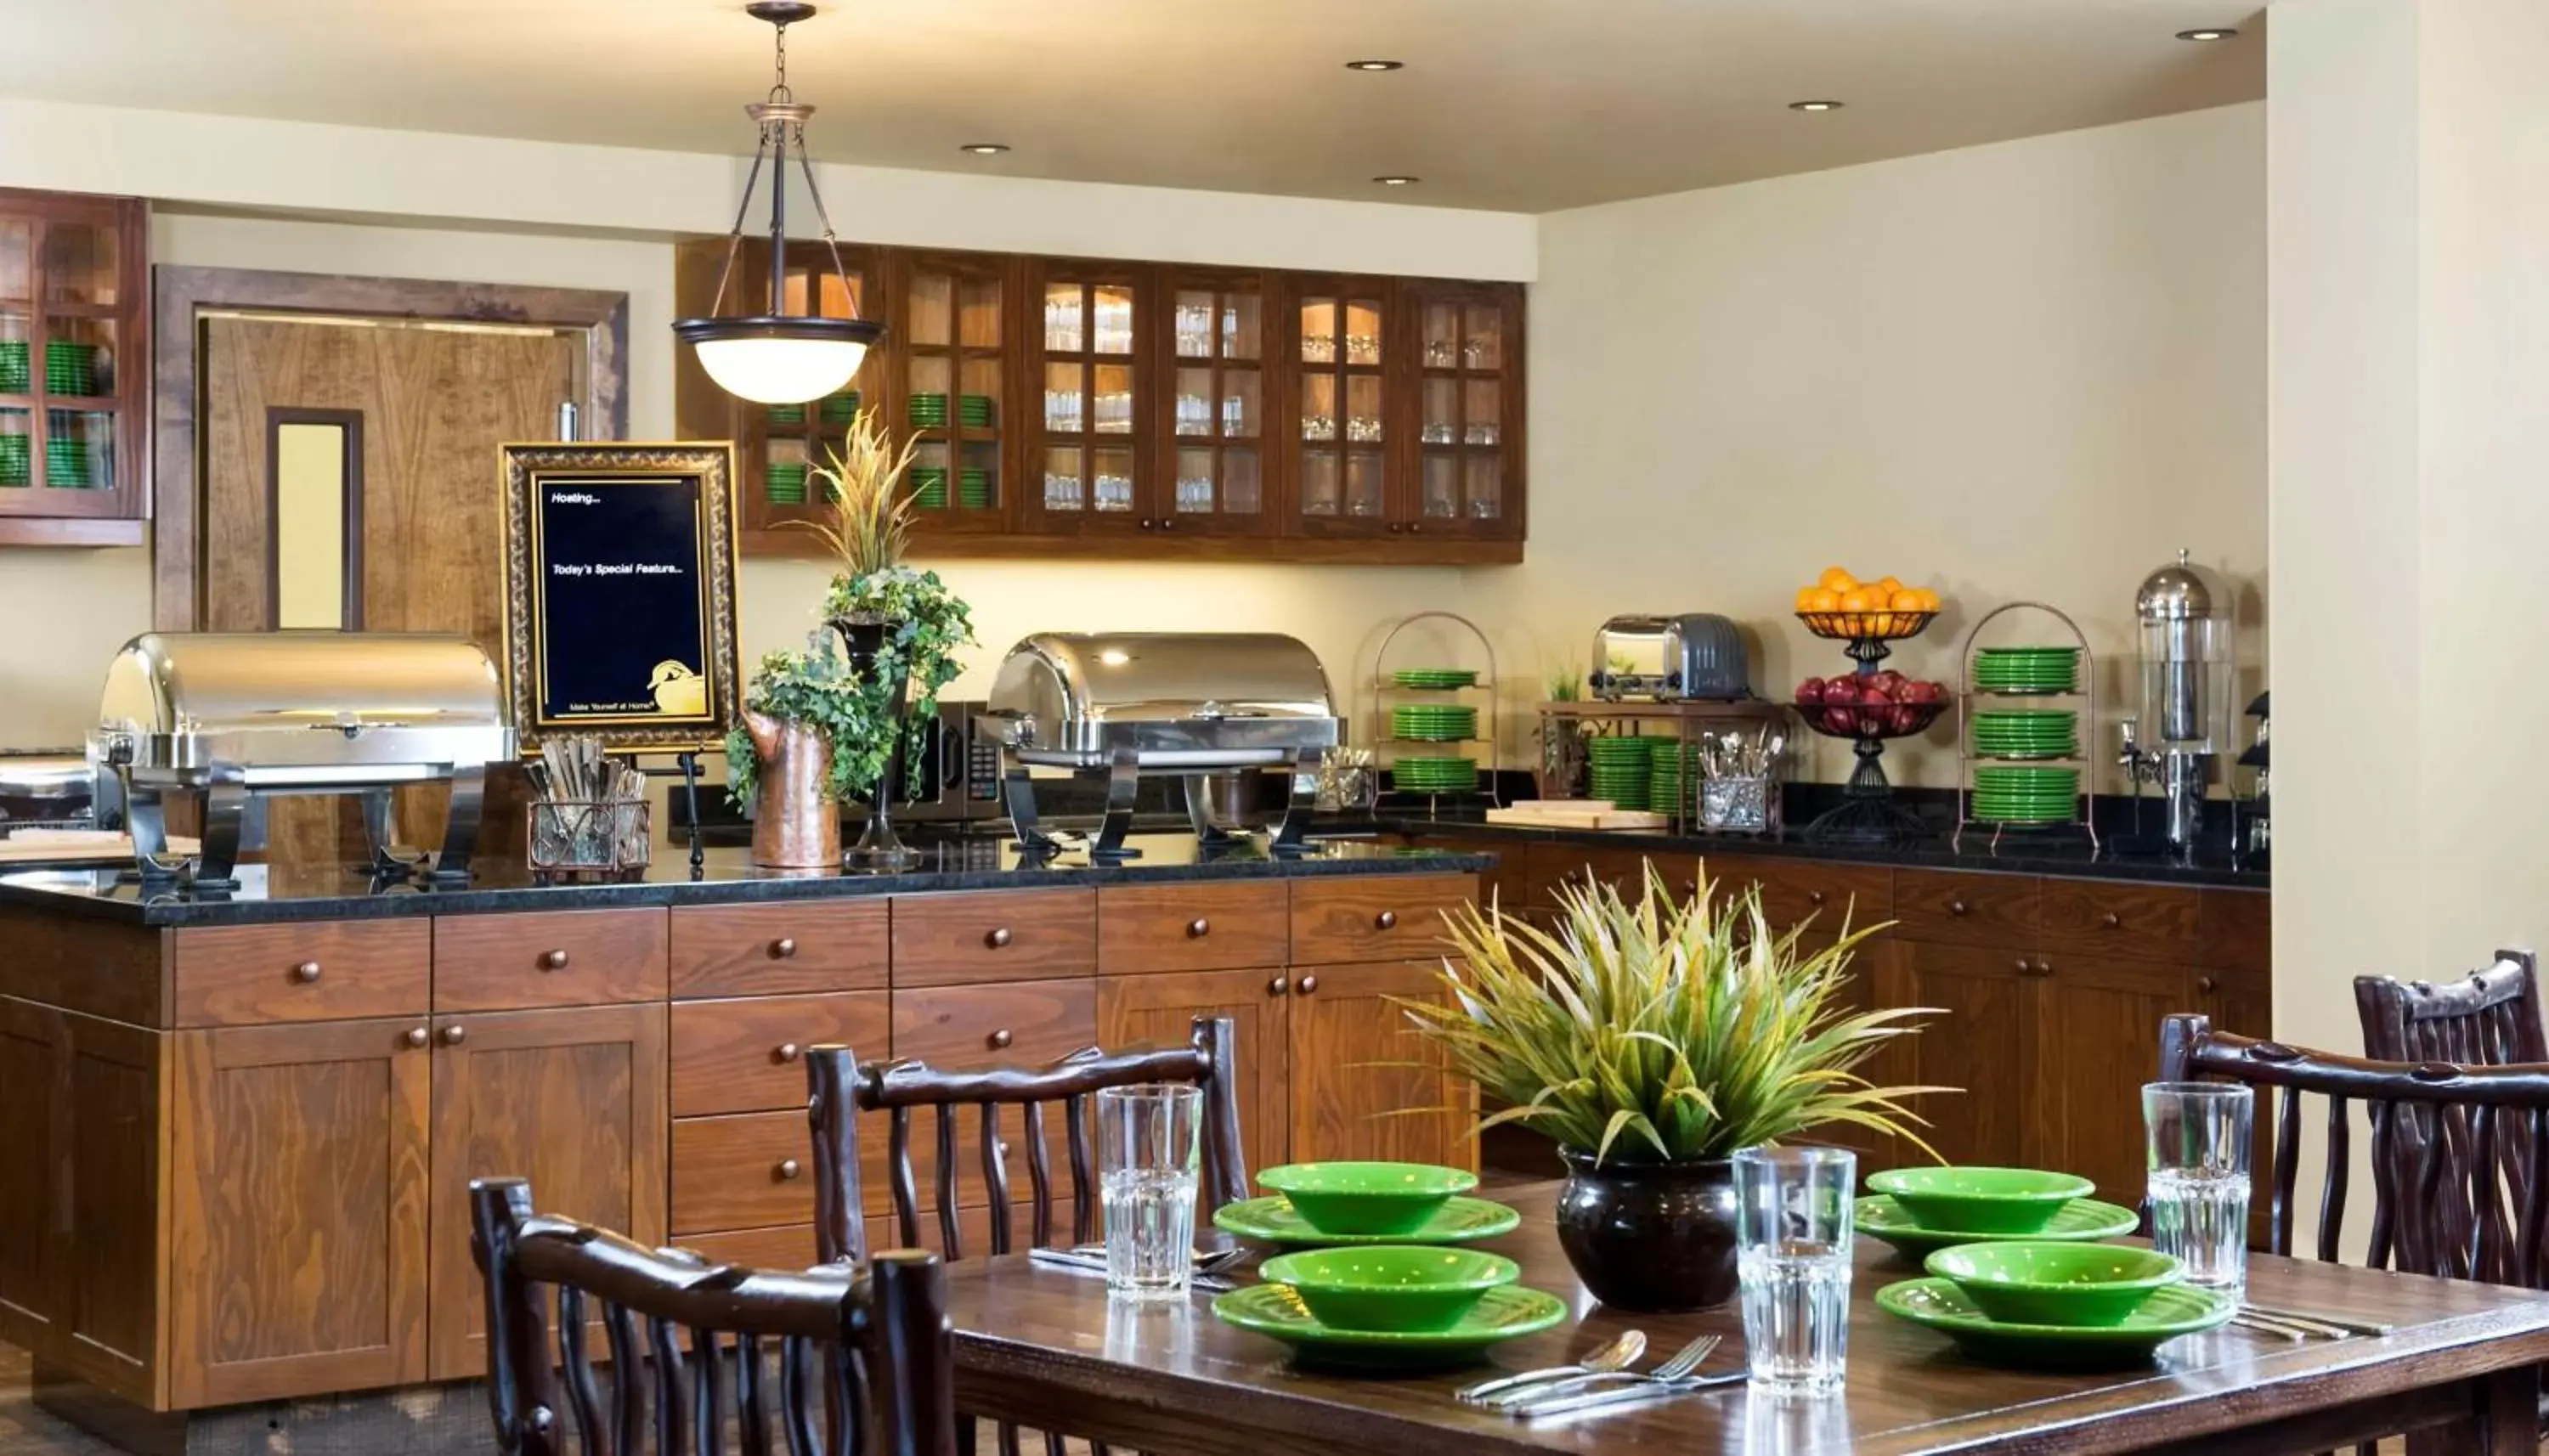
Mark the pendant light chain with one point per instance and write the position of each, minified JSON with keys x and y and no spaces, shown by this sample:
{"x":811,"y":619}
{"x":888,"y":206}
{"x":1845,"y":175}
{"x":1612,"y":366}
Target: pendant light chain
{"x":780,"y":93}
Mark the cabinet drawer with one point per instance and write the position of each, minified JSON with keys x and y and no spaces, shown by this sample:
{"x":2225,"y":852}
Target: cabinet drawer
{"x":1794,"y":891}
{"x":2107,"y":918}
{"x":1024,"y":1025}
{"x":793,"y":949}
{"x":1380,"y":917}
{"x":1192,"y":926}
{"x":999,"y":936}
{"x":333,"y":970}
{"x":748,"y":1055}
{"x":745,"y":1172}
{"x":1550,"y":868}
{"x":564,"y":958}
{"x":2236,"y":928}
{"x":1966,"y":909}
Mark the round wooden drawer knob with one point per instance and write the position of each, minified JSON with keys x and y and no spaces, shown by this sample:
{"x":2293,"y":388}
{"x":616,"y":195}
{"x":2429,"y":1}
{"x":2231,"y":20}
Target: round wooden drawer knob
{"x":1278,"y":985}
{"x":454,"y":1036}
{"x":789,"y":1169}
{"x":2203,"y":984}
{"x":1309,"y":983}
{"x":785,"y":1052}
{"x":997,"y":939}
{"x":781,"y":950}
{"x":2111,"y":920}
{"x":306,"y":972}
{"x":1385,"y":920}
{"x":552,"y":960}
{"x":2044,"y":968}
{"x":418,"y":1036}
{"x":2022,"y":968}
{"x":1814,"y":897}
{"x":1957,"y":907}
{"x":1198,"y":927}
{"x":999,"y":1039}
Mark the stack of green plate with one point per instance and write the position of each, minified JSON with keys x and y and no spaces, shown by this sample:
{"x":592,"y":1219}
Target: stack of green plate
{"x":1432,"y":722}
{"x":2026,"y":669}
{"x":66,"y":463}
{"x":784,"y":482}
{"x":840,"y":408}
{"x":16,"y":467}
{"x":929,"y":487}
{"x":973,"y":487}
{"x":973,"y":411}
{"x":1435,"y":774}
{"x":928,"y":412}
{"x":787,"y":414}
{"x":71,"y":367}
{"x":2010,"y":794}
{"x":1436,"y":678}
{"x":2026,"y":733}
{"x":16,"y":376}
{"x":1622,"y":768}
{"x":1674,"y":767}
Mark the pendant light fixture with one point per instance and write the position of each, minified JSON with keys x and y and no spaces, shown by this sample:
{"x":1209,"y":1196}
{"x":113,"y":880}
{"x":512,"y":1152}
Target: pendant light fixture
{"x":778,"y":357}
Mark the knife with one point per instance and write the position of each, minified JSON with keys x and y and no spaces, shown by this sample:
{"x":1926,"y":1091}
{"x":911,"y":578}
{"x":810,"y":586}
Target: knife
{"x":1622,"y":1395}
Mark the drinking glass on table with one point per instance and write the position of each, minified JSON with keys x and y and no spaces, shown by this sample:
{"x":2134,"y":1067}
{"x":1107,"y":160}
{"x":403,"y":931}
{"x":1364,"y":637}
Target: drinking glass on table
{"x":1794,"y":1215}
{"x":1150,"y":1143}
{"x":2200,"y":1145}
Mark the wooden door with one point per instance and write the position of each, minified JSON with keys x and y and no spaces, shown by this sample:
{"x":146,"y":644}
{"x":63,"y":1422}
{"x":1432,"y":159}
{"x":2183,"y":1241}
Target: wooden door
{"x":574,"y":1101}
{"x":1462,"y":448}
{"x":421,"y":411}
{"x":2097,"y":1038}
{"x":35,"y":1131}
{"x":297,"y":1248}
{"x":1983,"y":1043}
{"x":959,"y":390}
{"x":1343,"y":335}
{"x":1218,"y":454}
{"x":1364,"y":1084}
{"x":1091,"y":471}
{"x":1161,"y":1009}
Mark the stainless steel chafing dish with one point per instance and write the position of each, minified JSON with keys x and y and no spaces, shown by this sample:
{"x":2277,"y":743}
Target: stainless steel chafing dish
{"x":235,"y":716}
{"x":1130,"y":704}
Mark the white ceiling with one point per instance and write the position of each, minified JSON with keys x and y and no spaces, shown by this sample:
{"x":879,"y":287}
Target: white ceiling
{"x":1525,"y":105}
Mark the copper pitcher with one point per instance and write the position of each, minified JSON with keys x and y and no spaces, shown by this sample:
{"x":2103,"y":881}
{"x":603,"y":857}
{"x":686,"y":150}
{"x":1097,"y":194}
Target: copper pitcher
{"x":795,"y":821}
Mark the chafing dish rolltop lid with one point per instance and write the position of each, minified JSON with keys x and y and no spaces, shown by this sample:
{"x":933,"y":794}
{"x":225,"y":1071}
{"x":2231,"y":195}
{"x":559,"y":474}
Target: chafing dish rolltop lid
{"x":232,"y":714}
{"x":1159,"y":702}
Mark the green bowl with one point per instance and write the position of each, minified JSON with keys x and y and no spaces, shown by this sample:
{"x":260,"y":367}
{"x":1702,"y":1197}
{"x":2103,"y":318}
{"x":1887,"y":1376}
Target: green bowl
{"x":1367,"y":1198}
{"x":1980,"y":1200}
{"x":2030,"y":1282}
{"x":1390,"y":1286}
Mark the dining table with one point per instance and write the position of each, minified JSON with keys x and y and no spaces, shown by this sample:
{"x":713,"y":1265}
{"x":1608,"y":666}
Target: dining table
{"x":2458,"y":1370}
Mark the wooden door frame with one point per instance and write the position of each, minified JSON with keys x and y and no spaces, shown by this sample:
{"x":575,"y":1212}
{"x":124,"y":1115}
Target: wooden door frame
{"x":181,"y":295}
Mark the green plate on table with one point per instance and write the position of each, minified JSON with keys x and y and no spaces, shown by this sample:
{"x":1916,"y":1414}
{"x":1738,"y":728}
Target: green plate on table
{"x":1275,"y":1311}
{"x":2082,"y":1220}
{"x":2178,"y":1310}
{"x":1274,"y":1220}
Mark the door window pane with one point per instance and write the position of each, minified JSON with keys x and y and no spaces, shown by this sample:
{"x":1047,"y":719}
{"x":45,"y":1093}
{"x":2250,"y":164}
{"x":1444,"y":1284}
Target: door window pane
{"x":1243,"y":491}
{"x":1194,"y":482}
{"x":1062,"y":330}
{"x":1114,"y":486}
{"x":1364,"y":483}
{"x":312,"y":464}
{"x":1240,"y":403}
{"x":1195,"y":402}
{"x":1062,"y":490}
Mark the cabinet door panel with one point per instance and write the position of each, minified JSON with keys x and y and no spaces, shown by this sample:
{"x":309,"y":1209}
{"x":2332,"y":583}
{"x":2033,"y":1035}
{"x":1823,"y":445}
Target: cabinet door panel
{"x":110,"y":1336}
{"x":297,"y":1252}
{"x":34,"y":1133}
{"x":1984,"y":1043}
{"x":1345,"y":1104}
{"x":1161,"y":1010}
{"x":574,"y":1099}
{"x":2097,"y":1039}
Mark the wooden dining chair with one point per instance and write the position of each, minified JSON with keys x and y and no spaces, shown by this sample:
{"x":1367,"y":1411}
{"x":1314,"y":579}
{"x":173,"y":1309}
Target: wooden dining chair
{"x":840,"y":1088}
{"x":864,"y":1359}
{"x":2488,"y":1017}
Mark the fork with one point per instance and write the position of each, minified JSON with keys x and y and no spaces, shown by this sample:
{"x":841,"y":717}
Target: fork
{"x":1683,"y":1362}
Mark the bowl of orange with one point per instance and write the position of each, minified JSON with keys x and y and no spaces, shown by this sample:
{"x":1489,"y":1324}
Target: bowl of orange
{"x":1841,"y":606}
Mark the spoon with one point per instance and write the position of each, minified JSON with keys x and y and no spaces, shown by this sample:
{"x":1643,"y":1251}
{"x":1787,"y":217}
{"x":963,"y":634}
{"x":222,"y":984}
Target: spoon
{"x":1619,"y":1354}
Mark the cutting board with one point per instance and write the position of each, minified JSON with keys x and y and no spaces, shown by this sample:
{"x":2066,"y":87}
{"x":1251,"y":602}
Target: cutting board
{"x":1576,"y":814}
{"x":78,"y":846}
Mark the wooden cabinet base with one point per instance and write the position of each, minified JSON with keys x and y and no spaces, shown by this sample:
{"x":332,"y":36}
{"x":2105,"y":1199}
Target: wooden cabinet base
{"x":423,"y":1417}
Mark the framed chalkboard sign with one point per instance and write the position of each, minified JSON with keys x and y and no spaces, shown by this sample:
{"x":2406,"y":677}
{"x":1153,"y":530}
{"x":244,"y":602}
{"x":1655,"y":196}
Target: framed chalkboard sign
{"x":619,"y":568}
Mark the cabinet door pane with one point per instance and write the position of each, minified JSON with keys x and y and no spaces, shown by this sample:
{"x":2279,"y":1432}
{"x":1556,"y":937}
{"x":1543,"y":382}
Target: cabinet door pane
{"x":1482,"y":339}
{"x":1194,"y":482}
{"x":17,"y":353}
{"x":1240,"y":402}
{"x":17,"y":448}
{"x":977,"y":475}
{"x":1195,"y":402}
{"x":1064,"y":408}
{"x":1112,"y":398}
{"x":1243,"y":491}
{"x":1484,"y":493}
{"x":1240,"y":327}
{"x":1441,"y":412}
{"x":17,"y":275}
{"x":1062,"y":329}
{"x":979,"y":305}
{"x":1114,"y":485}
{"x":932,"y":309}
{"x":1442,"y":487}
{"x":1364,"y":483}
{"x":1318,"y":406}
{"x":1480,"y":406}
{"x":1320,"y":483}
{"x":1363,"y":407}
{"x":1319,"y":331}
{"x":81,"y":264}
{"x":1442,"y":335}
{"x":79,"y":357}
{"x":1111,"y":316}
{"x":1195,"y":323}
{"x":1063,"y":486}
{"x":977,"y":398}
{"x":79,"y":449}
{"x":1362,"y":331}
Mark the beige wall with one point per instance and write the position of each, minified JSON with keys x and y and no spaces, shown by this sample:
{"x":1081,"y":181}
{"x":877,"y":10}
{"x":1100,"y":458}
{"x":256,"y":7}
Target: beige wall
{"x":2024,"y":371}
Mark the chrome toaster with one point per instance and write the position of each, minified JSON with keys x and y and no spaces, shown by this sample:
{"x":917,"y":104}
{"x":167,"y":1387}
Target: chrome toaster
{"x":1670,"y":659}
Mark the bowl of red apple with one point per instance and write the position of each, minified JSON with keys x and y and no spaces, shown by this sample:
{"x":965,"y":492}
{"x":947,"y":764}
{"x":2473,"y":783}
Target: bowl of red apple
{"x":1881,"y":704}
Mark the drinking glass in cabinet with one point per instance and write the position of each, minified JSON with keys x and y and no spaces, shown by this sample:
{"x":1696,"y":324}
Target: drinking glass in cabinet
{"x":1194,"y":320}
{"x":1239,"y":327}
{"x":1363,"y":407}
{"x":1195,"y":481}
{"x":1111,"y":315}
{"x":1062,"y":487}
{"x":79,"y":264}
{"x":1241,"y":487}
{"x":1195,"y":402}
{"x":1319,"y":483}
{"x":1319,"y":331}
{"x":1114,"y":486}
{"x":1441,"y":488}
{"x":1238,"y":405}
{"x":1063,"y":409}
{"x":1061,"y":317}
{"x":1364,"y":483}
{"x":1484,"y":486}
{"x":1112,"y":400}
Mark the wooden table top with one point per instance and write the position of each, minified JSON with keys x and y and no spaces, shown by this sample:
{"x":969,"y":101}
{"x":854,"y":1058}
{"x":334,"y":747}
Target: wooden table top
{"x":1036,"y":1342}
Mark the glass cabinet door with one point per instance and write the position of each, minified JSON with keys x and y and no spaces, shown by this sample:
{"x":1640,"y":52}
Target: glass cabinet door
{"x":1344,"y":485}
{"x":69,"y":360}
{"x":1090,"y":462}
{"x":1216,"y":424}
{"x":953,"y":360}
{"x":1467,"y":417}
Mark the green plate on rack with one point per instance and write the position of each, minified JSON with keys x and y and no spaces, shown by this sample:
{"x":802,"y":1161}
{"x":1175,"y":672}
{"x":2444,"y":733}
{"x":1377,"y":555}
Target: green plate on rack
{"x":1433,"y":677}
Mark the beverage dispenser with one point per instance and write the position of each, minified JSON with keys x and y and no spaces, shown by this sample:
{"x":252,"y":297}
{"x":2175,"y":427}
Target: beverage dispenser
{"x":2186,"y":692}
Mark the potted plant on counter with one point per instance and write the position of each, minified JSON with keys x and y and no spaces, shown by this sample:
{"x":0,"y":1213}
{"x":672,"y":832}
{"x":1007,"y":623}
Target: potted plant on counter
{"x":1652,"y":1041}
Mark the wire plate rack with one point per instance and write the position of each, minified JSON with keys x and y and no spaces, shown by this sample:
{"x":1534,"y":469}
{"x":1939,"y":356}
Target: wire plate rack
{"x":1386,"y":695}
{"x":2083,"y":697}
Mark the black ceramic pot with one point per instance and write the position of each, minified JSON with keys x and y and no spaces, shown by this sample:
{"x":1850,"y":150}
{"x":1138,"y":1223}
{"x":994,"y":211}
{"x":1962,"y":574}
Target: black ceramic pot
{"x":879,"y":847}
{"x":1650,"y":1236}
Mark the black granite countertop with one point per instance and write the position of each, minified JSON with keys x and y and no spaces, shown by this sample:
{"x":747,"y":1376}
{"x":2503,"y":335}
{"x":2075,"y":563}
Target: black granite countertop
{"x":269,"y":894}
{"x":2070,"y":857}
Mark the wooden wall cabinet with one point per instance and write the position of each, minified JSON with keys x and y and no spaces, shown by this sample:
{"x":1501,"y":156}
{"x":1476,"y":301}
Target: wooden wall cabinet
{"x":1106,"y":408}
{"x":75,"y":369}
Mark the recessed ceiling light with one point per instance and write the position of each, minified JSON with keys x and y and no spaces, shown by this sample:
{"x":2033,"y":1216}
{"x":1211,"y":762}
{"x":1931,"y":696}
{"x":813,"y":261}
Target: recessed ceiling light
{"x":1814,"y":106}
{"x":985,"y":149}
{"x":2209,"y":33}
{"x":1395,"y":181}
{"x":1375,"y":66}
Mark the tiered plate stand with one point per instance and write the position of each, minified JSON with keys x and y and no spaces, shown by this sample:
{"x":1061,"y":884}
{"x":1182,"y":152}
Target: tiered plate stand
{"x":1867,"y":814}
{"x":2083,"y":693}
{"x":1481,"y":693}
{"x":1690,"y":720}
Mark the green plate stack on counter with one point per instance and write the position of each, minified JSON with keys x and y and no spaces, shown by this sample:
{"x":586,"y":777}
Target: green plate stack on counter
{"x":1622,"y":768}
{"x":2026,"y":669}
{"x":1432,"y":774}
{"x":2026,"y":733}
{"x":1423,"y":723}
{"x":2007,"y":793}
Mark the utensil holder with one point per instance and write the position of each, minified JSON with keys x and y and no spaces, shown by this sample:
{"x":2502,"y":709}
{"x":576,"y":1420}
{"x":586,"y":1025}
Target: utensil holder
{"x":1741,"y":805}
{"x":587,"y":839}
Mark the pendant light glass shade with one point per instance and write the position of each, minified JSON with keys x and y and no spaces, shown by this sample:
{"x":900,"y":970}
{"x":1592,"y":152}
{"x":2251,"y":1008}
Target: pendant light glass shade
{"x":780,"y":360}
